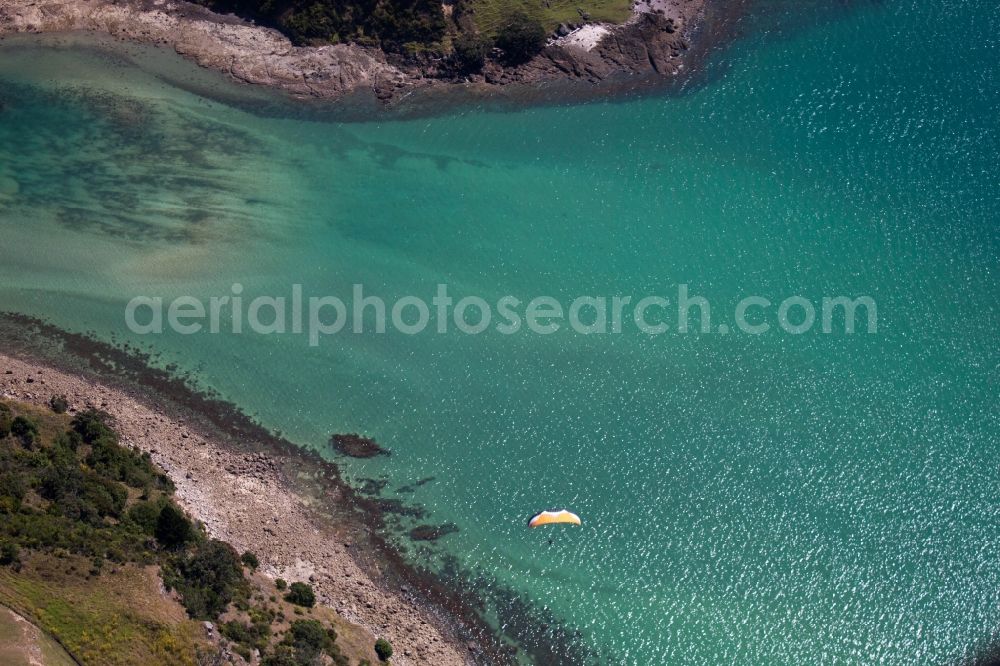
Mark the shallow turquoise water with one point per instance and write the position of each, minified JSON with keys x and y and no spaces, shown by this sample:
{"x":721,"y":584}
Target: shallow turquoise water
{"x":771,"y":499}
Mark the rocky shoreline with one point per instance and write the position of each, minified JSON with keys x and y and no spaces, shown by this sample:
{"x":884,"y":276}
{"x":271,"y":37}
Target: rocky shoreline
{"x":653,"y":42}
{"x":336,"y":522}
{"x":244,"y":498}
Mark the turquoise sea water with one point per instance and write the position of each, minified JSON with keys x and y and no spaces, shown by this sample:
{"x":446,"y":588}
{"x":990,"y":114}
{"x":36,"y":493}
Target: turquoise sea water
{"x":769,"y":499}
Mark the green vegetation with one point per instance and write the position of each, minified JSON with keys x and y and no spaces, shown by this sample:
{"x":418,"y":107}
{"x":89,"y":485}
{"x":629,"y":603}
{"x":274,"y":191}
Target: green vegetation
{"x":250,"y":560}
{"x":391,"y":24}
{"x":5,"y":420}
{"x":118,"y":619}
{"x":383,"y":649}
{"x":520,"y":39}
{"x":24,"y":430}
{"x":301,"y":594}
{"x":22,"y":645}
{"x":470,"y":51}
{"x":490,"y":16}
{"x":306,"y":643}
{"x":89,"y":529}
{"x":465,"y":33}
{"x":9,"y":554}
{"x":254,"y":635}
{"x":208,"y":579}
{"x":59,"y":404}
{"x":172,"y":528}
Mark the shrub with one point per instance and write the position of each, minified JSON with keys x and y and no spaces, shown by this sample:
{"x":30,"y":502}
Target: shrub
{"x":69,"y":440}
{"x":283,"y":655}
{"x":470,"y":52}
{"x":252,"y":636}
{"x":383,"y":649}
{"x":173,"y":529}
{"x":310,"y":639}
{"x":301,"y":594}
{"x":59,"y":404}
{"x":521,"y":39}
{"x":304,"y":644}
{"x":280,"y":583}
{"x":12,"y":491}
{"x":92,"y":425}
{"x":62,"y":479}
{"x":121,"y":464}
{"x":100,"y":497}
{"x":9,"y":554}
{"x":208,"y":580}
{"x":146,"y":515}
{"x":25,"y":430}
{"x":250,"y":560}
{"x":5,"y":420}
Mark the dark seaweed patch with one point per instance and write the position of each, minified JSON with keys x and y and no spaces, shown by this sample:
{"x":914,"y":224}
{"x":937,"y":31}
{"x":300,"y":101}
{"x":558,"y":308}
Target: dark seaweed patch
{"x":416,"y":484}
{"x":109,"y":164}
{"x":432,"y":532}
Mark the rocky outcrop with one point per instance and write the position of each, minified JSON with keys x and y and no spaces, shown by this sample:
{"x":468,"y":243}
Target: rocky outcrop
{"x":648,"y":44}
{"x":652,"y":42}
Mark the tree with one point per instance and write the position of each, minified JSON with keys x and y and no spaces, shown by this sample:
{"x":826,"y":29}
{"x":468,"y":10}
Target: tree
{"x":470,"y":52}
{"x":173,"y":529}
{"x":521,"y":39}
{"x":301,"y":594}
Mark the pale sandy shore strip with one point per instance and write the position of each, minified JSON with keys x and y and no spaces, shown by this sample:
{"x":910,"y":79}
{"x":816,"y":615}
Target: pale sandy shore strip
{"x":242,"y":499}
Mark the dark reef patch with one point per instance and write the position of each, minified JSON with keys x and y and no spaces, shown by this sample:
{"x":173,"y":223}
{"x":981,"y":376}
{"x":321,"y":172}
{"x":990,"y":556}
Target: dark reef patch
{"x":432,"y":532}
{"x":409,"y":488}
{"x":356,"y":446}
{"x":371,"y":487}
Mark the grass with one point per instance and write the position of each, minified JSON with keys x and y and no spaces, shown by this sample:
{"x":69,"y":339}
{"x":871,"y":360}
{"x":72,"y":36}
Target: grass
{"x":23,"y":644}
{"x":114,"y":619}
{"x":490,"y":15}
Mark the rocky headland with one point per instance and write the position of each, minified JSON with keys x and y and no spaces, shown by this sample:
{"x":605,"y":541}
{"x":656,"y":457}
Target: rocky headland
{"x":653,"y":42}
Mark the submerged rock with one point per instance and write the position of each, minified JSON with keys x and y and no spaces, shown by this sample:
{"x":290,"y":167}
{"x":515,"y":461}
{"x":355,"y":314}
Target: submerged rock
{"x":356,"y":446}
{"x":432,"y":532}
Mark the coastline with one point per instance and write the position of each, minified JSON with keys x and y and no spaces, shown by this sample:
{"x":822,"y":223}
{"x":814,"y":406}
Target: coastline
{"x":245,"y":499}
{"x":447,"y":605}
{"x":654,"y":43}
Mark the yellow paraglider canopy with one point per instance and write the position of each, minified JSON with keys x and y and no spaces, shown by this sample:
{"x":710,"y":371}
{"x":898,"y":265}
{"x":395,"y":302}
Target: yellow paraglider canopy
{"x":553,"y":517}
